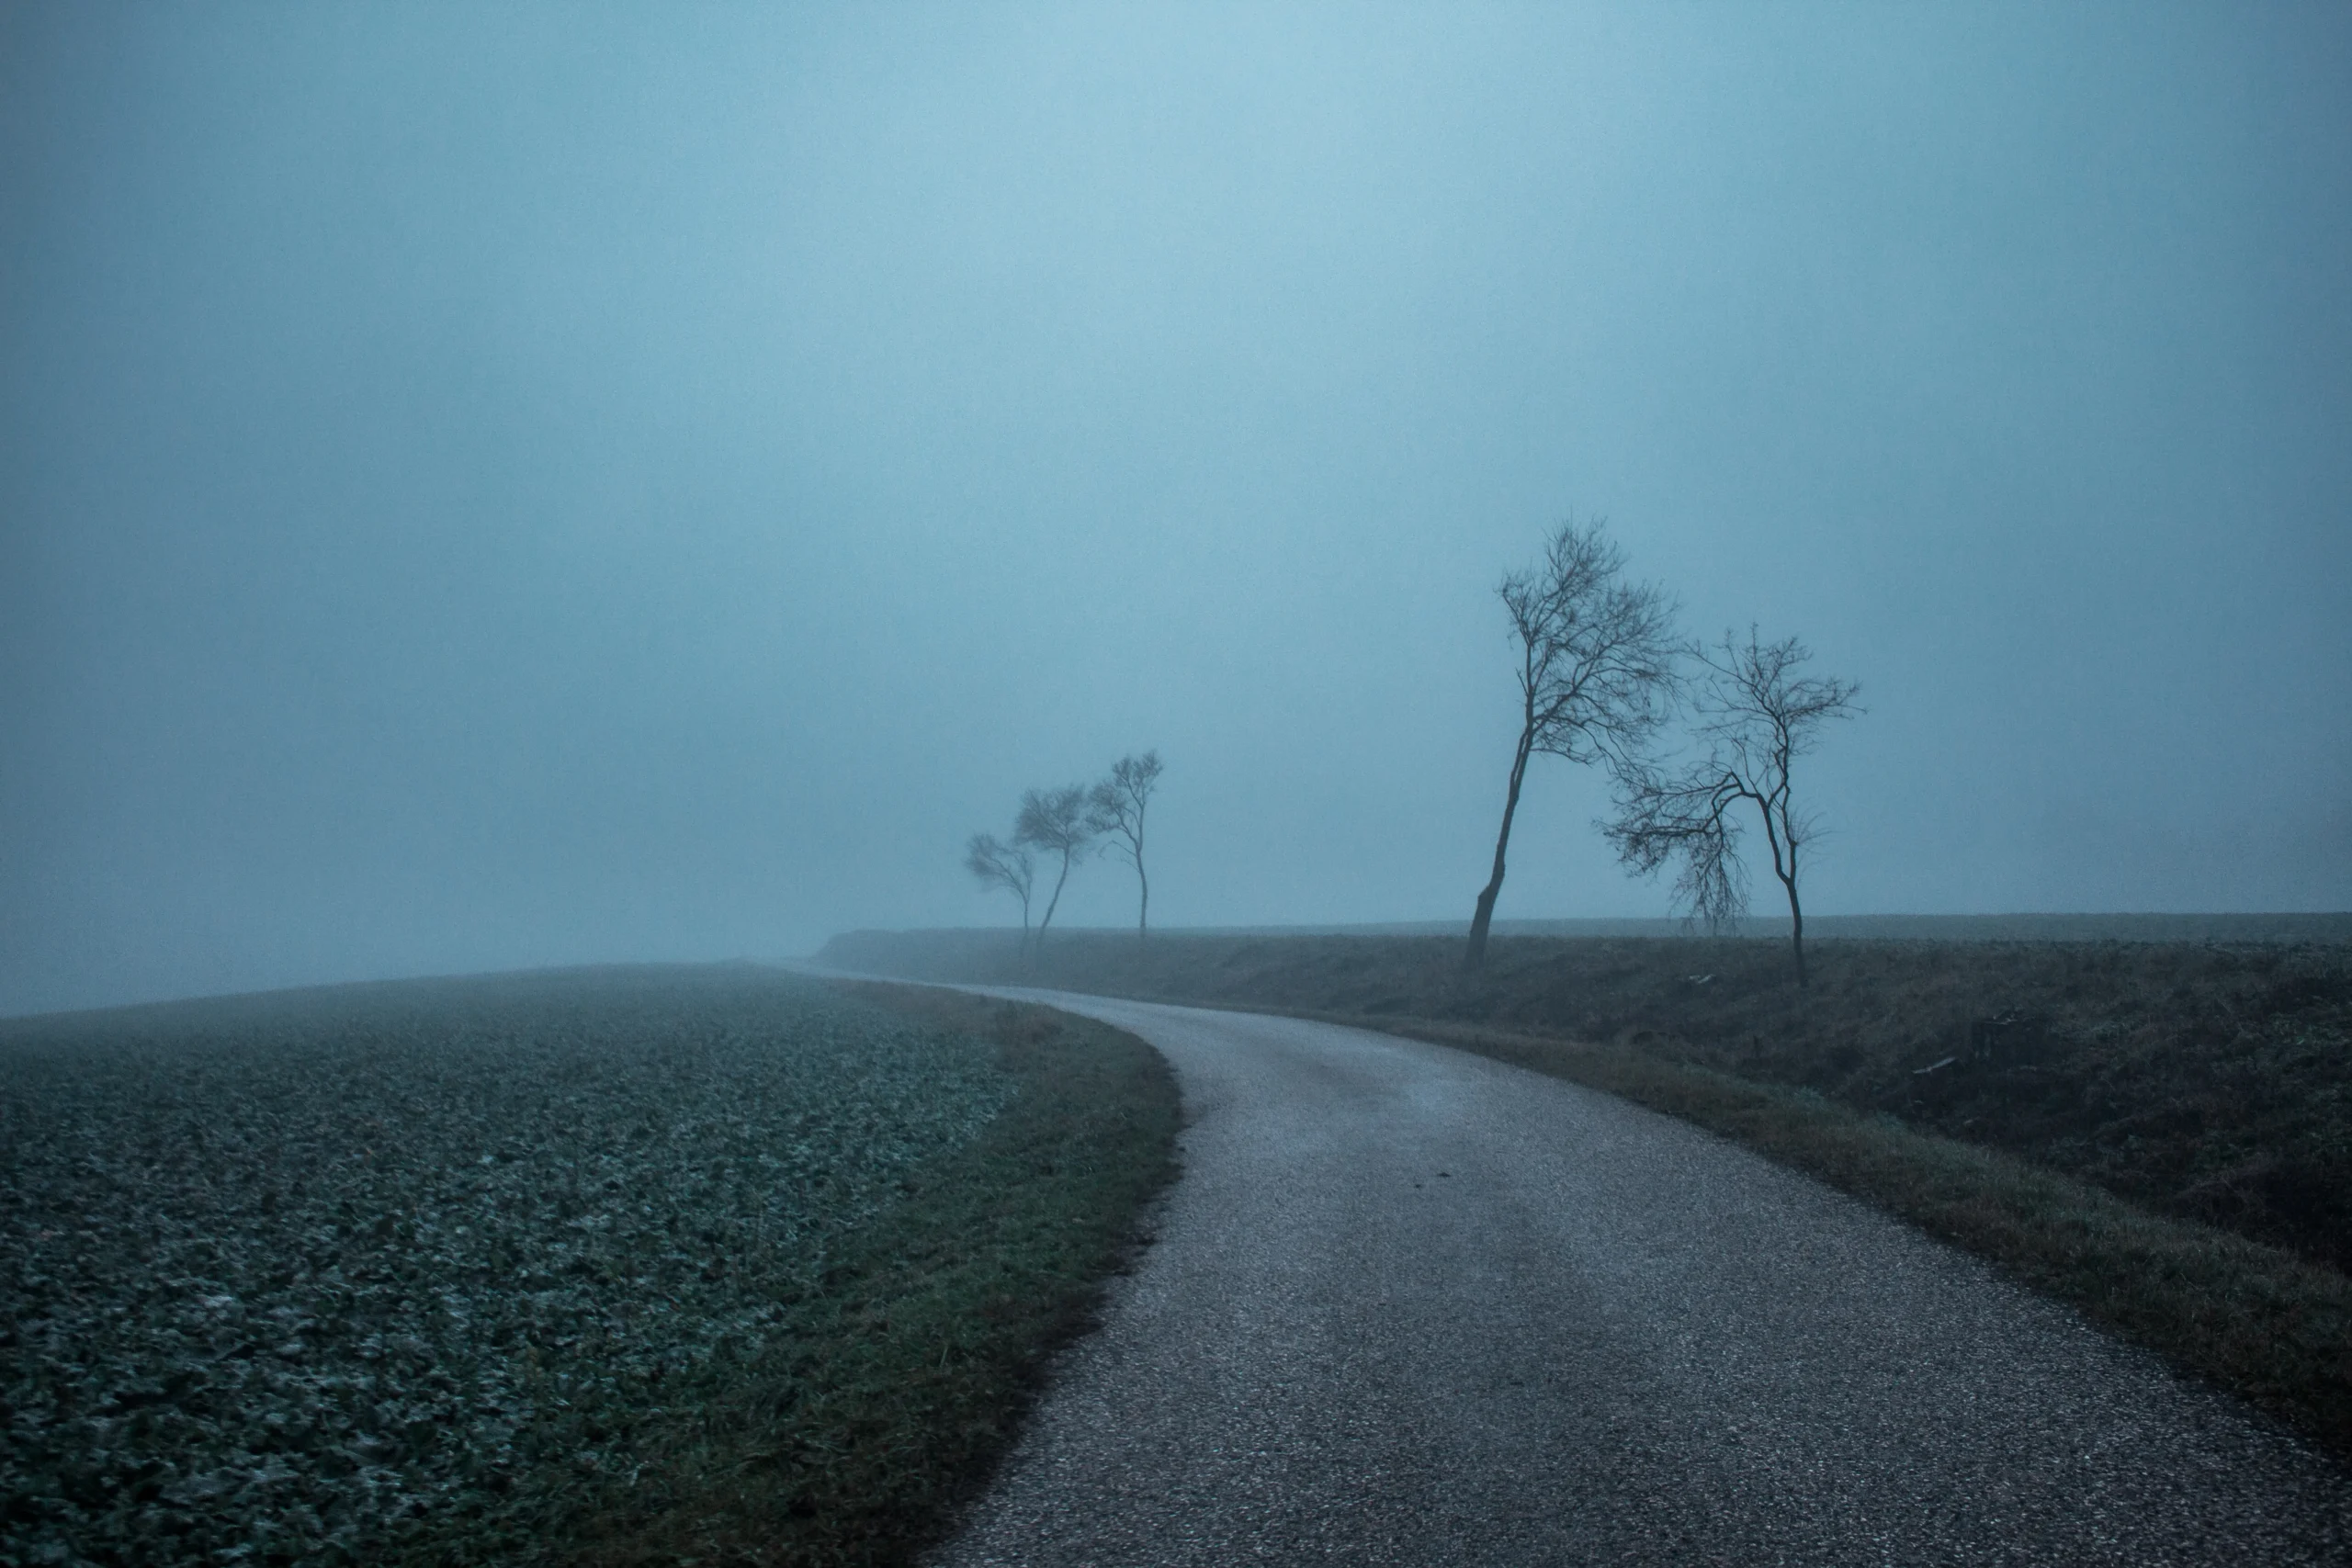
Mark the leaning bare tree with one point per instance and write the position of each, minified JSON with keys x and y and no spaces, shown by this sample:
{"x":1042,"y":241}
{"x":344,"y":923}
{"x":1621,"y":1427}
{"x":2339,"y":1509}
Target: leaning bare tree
{"x":1009,"y":867}
{"x":1754,"y":717}
{"x":1118,"y":804}
{"x":1596,"y":672}
{"x":1058,"y":822}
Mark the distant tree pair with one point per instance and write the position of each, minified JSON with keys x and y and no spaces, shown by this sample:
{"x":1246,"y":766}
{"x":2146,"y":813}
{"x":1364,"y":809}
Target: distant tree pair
{"x":1064,"y":826}
{"x":1602,"y":674}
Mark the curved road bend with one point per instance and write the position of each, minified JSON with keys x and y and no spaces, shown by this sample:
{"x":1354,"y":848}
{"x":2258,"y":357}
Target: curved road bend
{"x":1412,"y":1306}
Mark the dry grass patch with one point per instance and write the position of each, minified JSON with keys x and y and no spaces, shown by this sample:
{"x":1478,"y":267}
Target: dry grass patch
{"x":2254,"y":1319}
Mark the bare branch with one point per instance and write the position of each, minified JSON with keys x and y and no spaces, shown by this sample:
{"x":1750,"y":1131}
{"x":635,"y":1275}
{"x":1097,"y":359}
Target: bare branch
{"x":1602,"y":672}
{"x":1059,"y":822}
{"x":1597,"y":672}
{"x":998,"y":865}
{"x":1685,"y":818}
{"x":1009,"y":867}
{"x":1119,"y":804}
{"x":1754,"y":715}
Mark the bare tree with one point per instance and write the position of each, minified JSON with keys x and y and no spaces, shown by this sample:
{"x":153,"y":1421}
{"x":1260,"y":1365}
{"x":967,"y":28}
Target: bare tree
{"x":1596,"y":672}
{"x":1055,"y":821}
{"x":1754,"y":716}
{"x":1009,"y":867}
{"x":1118,"y":804}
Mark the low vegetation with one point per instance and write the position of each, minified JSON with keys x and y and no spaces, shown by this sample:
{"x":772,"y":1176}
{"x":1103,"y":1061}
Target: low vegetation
{"x":2158,"y":1133}
{"x":606,"y":1267}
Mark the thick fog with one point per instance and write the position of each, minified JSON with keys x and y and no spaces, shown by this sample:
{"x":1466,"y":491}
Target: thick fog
{"x":488,"y":487}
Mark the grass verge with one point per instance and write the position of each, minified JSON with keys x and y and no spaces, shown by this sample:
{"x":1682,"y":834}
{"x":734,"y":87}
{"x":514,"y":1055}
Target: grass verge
{"x":2255,"y":1320}
{"x":2202,"y":1082}
{"x":2271,"y":1324}
{"x":900,"y":1381}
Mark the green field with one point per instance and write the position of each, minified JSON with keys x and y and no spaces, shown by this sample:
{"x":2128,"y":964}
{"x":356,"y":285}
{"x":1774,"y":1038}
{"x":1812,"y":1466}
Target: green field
{"x":611,"y":1265}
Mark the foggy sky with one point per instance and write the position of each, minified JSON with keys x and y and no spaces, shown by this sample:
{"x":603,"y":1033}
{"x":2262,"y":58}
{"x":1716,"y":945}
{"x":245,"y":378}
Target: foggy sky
{"x":497,"y":486}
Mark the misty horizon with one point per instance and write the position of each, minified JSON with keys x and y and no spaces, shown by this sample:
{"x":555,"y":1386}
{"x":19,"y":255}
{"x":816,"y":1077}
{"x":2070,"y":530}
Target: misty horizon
{"x":543,"y":487}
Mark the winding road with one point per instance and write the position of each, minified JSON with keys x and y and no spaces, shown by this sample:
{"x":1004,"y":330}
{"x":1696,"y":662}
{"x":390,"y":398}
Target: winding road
{"x":1407,"y":1305}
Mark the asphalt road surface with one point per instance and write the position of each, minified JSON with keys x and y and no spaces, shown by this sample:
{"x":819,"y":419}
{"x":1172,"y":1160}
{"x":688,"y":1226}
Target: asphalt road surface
{"x":1407,"y":1305}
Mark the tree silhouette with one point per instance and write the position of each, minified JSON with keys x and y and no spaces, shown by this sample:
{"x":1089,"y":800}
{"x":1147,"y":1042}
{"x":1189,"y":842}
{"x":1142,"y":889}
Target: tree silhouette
{"x":1596,"y":671}
{"x":1058,"y":822}
{"x":1754,"y":717}
{"x":1119,"y":802}
{"x":1009,"y":867}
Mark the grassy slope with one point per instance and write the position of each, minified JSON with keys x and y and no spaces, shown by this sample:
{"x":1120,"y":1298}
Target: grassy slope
{"x":2159,"y":1141}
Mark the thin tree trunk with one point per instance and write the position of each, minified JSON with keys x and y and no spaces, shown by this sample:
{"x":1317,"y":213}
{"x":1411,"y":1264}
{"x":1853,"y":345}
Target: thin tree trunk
{"x":1773,"y":835}
{"x":1796,"y":917}
{"x":1796,"y":936}
{"x":1475,"y":955}
{"x":1143,"y":910}
{"x":1054,"y":903}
